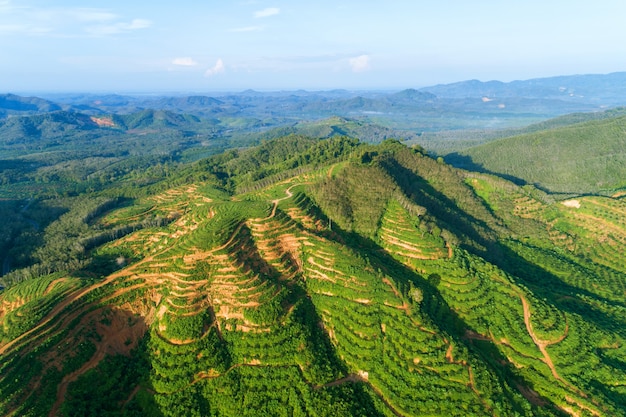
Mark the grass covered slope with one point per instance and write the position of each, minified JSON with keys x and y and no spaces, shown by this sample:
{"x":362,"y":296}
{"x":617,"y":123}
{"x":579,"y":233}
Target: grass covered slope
{"x":341,"y":279}
{"x":587,"y":157}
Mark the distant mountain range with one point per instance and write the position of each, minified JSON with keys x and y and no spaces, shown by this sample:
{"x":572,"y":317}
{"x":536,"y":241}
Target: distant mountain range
{"x":465,"y":104}
{"x":609,"y":89}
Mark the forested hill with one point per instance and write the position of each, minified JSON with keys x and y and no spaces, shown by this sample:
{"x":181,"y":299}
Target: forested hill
{"x":13,"y":104}
{"x":586,"y":157}
{"x":311,"y":277}
{"x":326,"y":128}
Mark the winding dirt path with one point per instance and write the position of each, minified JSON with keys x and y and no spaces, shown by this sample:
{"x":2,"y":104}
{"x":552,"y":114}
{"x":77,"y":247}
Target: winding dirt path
{"x":71,"y":377}
{"x":330,"y":170}
{"x":288,"y":195}
{"x":542,"y":344}
{"x":50,"y":286}
{"x":470,"y":375}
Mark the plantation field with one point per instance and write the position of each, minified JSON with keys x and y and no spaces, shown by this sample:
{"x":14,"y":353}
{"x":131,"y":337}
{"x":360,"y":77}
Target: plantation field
{"x":373,"y":281}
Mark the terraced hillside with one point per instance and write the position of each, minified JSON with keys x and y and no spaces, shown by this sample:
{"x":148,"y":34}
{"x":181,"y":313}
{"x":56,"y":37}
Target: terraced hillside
{"x":374,"y":281}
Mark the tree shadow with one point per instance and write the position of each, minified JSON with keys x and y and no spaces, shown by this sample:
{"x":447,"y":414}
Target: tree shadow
{"x":304,"y":314}
{"x":466,"y":162}
{"x":441,"y":315}
{"x":12,"y":170}
{"x":102,"y":265}
{"x":560,"y":294}
{"x":490,"y":247}
{"x":476,"y":234}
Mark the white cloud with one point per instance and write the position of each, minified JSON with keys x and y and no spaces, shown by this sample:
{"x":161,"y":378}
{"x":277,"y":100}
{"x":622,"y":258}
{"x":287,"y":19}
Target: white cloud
{"x":248,"y":29}
{"x":137,"y":24}
{"x":336,"y":62}
{"x":119,"y":27}
{"x":270,"y":11}
{"x":360,"y":63}
{"x":22,"y":19}
{"x":64,"y":21}
{"x":218,"y":68}
{"x":25,"y":29}
{"x":91,"y":15}
{"x":184,"y":62}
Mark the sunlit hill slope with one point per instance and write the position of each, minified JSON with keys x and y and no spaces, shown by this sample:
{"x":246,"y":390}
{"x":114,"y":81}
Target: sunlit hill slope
{"x":584,"y":157}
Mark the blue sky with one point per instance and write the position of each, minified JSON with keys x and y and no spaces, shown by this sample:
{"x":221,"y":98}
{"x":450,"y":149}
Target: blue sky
{"x":217,"y":45}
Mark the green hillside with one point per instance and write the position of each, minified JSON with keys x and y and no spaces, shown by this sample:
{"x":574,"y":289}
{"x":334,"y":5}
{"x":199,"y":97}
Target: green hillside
{"x":326,"y":278}
{"x":588,"y":157}
{"x":448,"y":141}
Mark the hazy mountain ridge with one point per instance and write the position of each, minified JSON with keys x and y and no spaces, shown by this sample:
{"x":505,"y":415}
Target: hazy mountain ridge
{"x":14,"y":104}
{"x":608,"y":89}
{"x":457,"y":141}
{"x":506,"y":104}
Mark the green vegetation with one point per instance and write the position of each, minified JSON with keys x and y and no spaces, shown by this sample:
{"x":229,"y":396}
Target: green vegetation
{"x":445,"y":142}
{"x":32,"y":301}
{"x":586,"y":157}
{"x":310,"y":277}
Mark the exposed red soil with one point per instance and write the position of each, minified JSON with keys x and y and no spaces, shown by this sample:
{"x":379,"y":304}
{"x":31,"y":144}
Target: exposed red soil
{"x":119,"y":332}
{"x":103,"y":121}
{"x":52,"y":284}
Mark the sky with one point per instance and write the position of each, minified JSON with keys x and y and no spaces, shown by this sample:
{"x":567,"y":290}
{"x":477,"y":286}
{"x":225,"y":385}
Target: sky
{"x":216,"y":45}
